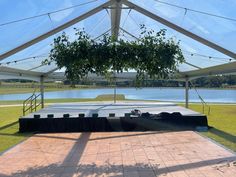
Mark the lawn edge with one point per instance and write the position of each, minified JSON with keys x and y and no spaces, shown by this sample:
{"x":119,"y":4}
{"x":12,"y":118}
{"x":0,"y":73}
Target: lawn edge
{"x":20,"y":142}
{"x":217,"y":143}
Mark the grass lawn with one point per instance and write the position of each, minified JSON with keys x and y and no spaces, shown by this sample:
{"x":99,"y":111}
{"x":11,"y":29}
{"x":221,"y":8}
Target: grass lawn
{"x":15,"y":88}
{"x":222,"y":118}
{"x":6,"y":90}
{"x":106,"y":97}
{"x":9,"y":127}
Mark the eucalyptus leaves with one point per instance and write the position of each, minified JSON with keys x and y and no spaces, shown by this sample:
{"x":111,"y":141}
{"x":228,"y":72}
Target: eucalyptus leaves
{"x":152,"y":54}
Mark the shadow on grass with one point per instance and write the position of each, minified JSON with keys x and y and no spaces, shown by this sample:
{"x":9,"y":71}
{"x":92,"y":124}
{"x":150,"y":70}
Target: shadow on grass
{"x":11,"y":137}
{"x":223,"y":134}
{"x":17,"y":134}
{"x":8,"y":125}
{"x":12,"y":126}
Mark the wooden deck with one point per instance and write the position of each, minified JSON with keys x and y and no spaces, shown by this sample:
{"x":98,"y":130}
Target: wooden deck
{"x":124,"y":154}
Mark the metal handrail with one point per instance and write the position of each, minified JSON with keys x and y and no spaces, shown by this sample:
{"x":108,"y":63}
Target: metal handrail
{"x":35,"y":105}
{"x":202,"y":101}
{"x":26,"y":103}
{"x":30,"y":104}
{"x":29,"y":99}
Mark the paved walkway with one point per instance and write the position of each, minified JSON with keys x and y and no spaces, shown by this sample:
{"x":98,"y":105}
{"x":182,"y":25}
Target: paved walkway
{"x":125,"y":154}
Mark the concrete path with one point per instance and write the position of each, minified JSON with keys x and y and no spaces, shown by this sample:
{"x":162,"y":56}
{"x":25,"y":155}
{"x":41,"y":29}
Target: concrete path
{"x":124,"y":154}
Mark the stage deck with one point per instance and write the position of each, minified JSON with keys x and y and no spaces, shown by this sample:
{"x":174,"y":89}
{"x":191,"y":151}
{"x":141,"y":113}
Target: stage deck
{"x":103,"y":109}
{"x":120,"y":154}
{"x":107,"y":116}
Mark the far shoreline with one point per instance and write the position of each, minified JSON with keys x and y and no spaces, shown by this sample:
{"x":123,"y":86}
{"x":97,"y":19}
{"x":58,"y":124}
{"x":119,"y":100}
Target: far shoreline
{"x":21,"y":89}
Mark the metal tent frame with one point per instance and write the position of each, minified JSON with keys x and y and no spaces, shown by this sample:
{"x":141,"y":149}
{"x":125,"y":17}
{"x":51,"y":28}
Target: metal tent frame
{"x":116,"y":7}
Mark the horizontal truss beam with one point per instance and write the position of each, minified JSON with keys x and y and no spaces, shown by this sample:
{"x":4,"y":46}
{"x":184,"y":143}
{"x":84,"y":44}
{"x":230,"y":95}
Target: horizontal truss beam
{"x":229,"y":68}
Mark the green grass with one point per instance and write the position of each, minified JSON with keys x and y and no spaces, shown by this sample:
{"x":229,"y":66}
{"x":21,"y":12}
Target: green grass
{"x":109,"y":97}
{"x":105,"y":97}
{"x":14,"y":88}
{"x":7,"y":90}
{"x":9,"y":127}
{"x":222,"y":119}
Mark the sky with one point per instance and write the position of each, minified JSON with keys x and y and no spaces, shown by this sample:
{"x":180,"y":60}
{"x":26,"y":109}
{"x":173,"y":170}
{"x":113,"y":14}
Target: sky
{"x":217,"y":30}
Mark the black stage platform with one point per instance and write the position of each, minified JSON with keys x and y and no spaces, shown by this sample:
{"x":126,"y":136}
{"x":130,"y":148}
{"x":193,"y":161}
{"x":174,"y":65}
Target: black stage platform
{"x":97,"y":117}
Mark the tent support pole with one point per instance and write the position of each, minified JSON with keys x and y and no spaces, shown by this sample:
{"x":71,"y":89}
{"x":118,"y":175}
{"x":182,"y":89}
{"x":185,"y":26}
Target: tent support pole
{"x":42,"y":91}
{"x":186,"y":92}
{"x":114,"y":95}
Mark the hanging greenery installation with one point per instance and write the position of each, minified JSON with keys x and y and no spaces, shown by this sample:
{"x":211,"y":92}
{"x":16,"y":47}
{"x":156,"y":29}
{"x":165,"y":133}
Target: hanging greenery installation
{"x":152,"y":55}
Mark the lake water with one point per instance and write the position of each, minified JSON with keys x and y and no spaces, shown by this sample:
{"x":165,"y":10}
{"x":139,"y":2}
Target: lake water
{"x":162,"y":94}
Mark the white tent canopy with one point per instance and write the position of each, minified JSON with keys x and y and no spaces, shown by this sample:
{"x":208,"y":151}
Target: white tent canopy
{"x":206,"y":31}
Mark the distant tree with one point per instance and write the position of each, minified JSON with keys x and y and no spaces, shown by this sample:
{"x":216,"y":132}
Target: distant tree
{"x":215,"y":81}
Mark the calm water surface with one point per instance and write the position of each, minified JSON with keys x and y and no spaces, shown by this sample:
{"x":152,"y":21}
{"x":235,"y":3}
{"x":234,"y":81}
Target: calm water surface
{"x":163,"y":94}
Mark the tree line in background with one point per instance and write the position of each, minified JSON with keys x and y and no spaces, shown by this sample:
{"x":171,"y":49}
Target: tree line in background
{"x":216,"y":81}
{"x":228,"y":81}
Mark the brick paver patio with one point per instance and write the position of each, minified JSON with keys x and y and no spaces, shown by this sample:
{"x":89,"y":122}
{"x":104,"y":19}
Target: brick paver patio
{"x":128,"y":154}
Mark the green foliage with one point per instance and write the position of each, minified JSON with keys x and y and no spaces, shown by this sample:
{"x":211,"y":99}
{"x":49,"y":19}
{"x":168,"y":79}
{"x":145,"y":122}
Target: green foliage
{"x":152,"y":54}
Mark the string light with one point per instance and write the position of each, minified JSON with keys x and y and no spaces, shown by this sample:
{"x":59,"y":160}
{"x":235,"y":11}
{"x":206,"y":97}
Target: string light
{"x":23,"y":59}
{"x":48,"y":13}
{"x":207,"y":56}
{"x":196,"y":11}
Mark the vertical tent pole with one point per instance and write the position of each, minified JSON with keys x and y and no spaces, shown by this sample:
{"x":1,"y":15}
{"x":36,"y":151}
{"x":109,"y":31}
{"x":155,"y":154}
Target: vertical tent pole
{"x":42,"y":91}
{"x":114,"y":93}
{"x":186,"y":92}
{"x":114,"y":88}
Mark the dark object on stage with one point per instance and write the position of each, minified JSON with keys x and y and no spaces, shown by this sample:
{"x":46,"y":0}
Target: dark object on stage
{"x":50,"y":116}
{"x":94,"y":115}
{"x":136,"y":112}
{"x":66,"y":115}
{"x":112,"y":115}
{"x":167,"y":115}
{"x":81,"y":115}
{"x":146,"y":115}
{"x":36,"y":116}
{"x":183,"y":120}
{"x":127,"y":114}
